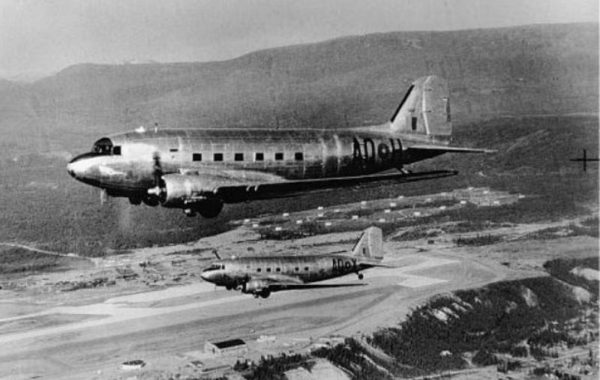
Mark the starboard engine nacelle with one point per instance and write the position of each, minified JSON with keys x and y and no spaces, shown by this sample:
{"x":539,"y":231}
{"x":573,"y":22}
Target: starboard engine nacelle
{"x":189,"y":192}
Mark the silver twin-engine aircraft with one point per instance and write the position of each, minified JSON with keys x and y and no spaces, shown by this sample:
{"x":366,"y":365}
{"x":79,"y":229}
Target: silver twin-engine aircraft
{"x":198,"y":170}
{"x":260,"y":276}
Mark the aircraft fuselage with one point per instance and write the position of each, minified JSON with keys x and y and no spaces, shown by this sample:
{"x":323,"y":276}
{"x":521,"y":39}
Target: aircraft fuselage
{"x":234,"y":272}
{"x":125,"y":164}
{"x":198,"y":170}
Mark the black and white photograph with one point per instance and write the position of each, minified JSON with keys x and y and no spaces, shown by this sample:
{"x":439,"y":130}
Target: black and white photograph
{"x":299,"y":190}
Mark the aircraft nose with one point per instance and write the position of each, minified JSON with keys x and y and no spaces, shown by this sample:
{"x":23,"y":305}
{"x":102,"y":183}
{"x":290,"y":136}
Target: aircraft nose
{"x":71,"y":170}
{"x":78,"y":166}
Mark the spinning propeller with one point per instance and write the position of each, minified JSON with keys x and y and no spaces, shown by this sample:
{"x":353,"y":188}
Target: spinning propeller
{"x":157,"y":173}
{"x":103,"y":197}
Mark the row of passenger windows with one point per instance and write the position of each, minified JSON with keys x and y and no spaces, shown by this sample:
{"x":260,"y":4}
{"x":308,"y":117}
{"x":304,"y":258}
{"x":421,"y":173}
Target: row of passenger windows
{"x":297,"y":269}
{"x":258,"y":156}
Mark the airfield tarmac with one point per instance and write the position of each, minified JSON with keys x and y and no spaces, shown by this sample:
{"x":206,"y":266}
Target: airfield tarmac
{"x":160,"y":311}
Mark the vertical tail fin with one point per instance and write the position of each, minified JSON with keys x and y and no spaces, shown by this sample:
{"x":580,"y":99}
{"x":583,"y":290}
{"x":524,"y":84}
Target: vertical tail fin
{"x":370,"y":244}
{"x":425,"y":110}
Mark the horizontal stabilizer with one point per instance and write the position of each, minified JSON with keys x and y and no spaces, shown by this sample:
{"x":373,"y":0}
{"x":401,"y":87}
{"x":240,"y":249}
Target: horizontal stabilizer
{"x":422,"y":152}
{"x":377,"y":263}
{"x":449,"y":149}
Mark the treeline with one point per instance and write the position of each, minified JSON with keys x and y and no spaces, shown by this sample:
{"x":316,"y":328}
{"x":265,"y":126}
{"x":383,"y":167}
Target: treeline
{"x":18,"y":260}
{"x":352,"y":357}
{"x":478,"y":240}
{"x":562,"y":269}
{"x":273,"y":368}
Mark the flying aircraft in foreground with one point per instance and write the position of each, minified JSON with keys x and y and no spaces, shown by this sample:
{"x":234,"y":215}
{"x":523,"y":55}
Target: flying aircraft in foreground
{"x":198,"y":170}
{"x":260,"y":276}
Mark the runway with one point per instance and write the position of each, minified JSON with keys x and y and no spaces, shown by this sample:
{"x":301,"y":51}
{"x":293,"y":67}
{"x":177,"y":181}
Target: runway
{"x":158,"y":325}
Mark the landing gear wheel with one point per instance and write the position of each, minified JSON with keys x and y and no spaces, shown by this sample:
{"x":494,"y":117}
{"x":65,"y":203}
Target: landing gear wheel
{"x":265,"y":293}
{"x":210,"y":208}
{"x":360,"y":276}
{"x":189,"y":212}
{"x":135,"y":200}
{"x":150,"y":201}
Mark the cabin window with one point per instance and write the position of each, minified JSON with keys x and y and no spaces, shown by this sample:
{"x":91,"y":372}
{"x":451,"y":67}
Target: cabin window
{"x":414,"y":123}
{"x":239,"y":157}
{"x":173,"y":150}
{"x":258,"y":269}
{"x":306,"y":268}
{"x":278,"y":156}
{"x":218,"y":157}
{"x":259,"y":156}
{"x":117,"y":150}
{"x":197,"y":157}
{"x":268,"y":269}
{"x":297,"y":269}
{"x":298,"y":156}
{"x":277,"y":269}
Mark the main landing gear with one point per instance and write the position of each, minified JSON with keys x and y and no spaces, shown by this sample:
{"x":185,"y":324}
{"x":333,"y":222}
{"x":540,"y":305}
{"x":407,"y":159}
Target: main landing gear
{"x":208,"y":208}
{"x":265,"y":293}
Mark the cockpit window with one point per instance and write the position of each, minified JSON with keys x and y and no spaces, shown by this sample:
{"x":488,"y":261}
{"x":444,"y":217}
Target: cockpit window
{"x":103,"y":146}
{"x":214,"y":267}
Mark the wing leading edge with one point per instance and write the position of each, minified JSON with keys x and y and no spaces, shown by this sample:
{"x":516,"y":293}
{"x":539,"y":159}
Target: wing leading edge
{"x":275,"y":283}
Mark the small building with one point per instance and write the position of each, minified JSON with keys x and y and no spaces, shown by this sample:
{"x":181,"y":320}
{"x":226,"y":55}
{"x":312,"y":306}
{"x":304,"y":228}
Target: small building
{"x":226,"y":347}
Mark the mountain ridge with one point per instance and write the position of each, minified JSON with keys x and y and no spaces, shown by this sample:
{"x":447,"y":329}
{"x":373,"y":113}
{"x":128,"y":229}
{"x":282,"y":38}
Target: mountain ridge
{"x":346,"y":81}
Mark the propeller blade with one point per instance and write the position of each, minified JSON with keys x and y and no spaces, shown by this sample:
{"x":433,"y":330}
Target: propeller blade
{"x":103,"y":196}
{"x":158,"y":172}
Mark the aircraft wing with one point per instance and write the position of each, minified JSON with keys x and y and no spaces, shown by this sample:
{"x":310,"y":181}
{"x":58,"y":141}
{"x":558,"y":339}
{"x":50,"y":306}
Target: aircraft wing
{"x":240,"y":190}
{"x":277,"y":287}
{"x":280,"y":282}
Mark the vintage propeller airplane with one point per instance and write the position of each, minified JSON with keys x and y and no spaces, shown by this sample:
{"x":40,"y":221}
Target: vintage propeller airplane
{"x":260,"y":276}
{"x":198,"y":170}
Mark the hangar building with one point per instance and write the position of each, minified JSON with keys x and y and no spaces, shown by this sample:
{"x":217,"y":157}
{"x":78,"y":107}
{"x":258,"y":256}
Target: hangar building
{"x":226,"y":347}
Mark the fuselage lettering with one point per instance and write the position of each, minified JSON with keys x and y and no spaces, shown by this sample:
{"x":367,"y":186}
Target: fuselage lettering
{"x":366,"y":152}
{"x":344,"y":266}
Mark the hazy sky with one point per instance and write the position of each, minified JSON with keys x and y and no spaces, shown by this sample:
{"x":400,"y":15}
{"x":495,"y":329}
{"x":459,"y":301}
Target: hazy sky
{"x":48,"y":35}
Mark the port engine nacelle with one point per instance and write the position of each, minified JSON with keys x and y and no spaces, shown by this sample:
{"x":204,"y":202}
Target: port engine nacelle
{"x":177,"y":188}
{"x":188,"y":192}
{"x":257,"y":287}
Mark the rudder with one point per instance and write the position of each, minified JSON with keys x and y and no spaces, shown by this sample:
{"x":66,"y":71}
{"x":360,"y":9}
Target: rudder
{"x":425,"y":110}
{"x":370,"y":244}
